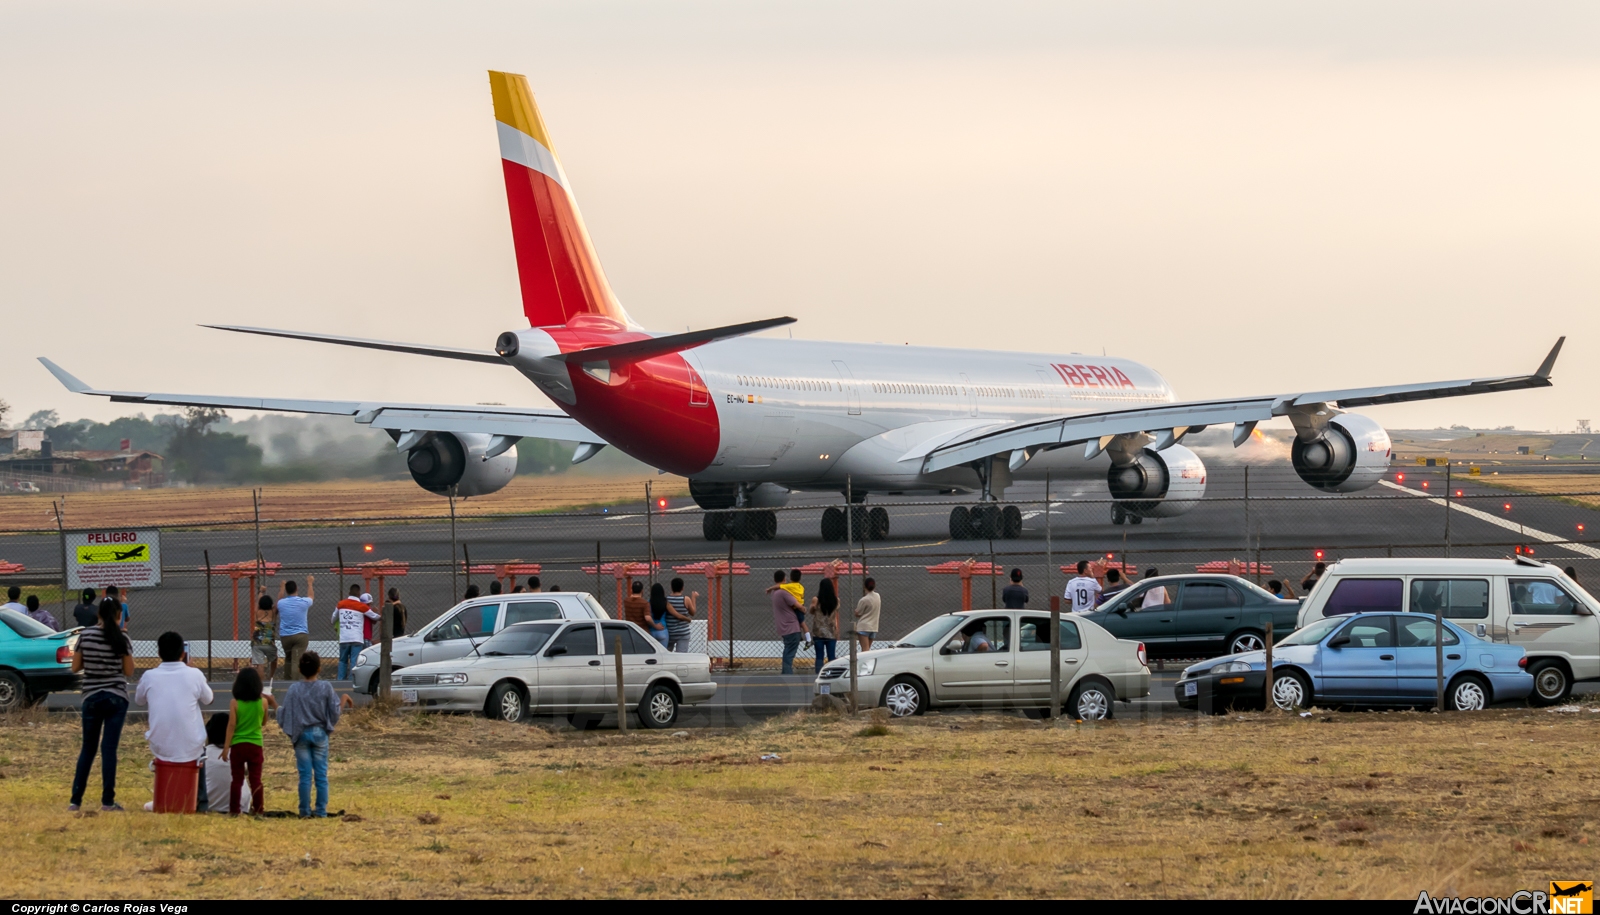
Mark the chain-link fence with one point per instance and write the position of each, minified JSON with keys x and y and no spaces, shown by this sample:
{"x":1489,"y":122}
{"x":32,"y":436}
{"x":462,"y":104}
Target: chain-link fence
{"x":1262,"y":523}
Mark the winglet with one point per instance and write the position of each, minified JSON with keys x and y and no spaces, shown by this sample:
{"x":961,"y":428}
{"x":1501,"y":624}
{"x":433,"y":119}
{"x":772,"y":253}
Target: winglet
{"x":1550,"y":360}
{"x":72,"y":383}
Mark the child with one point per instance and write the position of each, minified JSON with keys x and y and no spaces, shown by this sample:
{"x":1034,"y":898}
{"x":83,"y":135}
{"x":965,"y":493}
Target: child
{"x":242,"y":746}
{"x":218,"y":771}
{"x":309,"y":712}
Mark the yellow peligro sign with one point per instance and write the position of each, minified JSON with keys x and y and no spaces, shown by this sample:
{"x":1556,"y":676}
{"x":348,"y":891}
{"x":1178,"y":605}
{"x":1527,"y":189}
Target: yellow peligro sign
{"x":136,"y":552}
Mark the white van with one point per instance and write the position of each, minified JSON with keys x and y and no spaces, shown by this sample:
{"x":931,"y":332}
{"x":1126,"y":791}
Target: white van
{"x":1516,"y":601}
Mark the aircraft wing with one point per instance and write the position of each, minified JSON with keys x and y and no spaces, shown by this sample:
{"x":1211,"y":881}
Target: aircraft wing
{"x":511,"y":422}
{"x":1167,"y":422}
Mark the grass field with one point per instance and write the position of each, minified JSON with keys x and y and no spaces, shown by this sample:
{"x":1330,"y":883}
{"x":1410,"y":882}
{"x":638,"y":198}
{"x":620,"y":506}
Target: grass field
{"x":1340,"y":805}
{"x":349,"y":499}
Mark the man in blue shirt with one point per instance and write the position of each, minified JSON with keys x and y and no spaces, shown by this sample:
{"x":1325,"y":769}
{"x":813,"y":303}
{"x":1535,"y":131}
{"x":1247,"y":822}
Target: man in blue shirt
{"x":293,"y":611}
{"x":1015,"y":596}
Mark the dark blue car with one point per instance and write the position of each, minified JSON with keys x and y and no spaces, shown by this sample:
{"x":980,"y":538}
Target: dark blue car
{"x":1367,"y":659}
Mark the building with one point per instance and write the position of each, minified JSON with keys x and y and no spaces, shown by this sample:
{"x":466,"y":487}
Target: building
{"x":136,"y":468}
{"x":21,"y":440}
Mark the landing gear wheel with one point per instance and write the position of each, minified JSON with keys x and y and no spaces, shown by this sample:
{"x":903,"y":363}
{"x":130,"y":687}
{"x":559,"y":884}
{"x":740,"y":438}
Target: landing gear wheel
{"x":832,"y":524}
{"x":986,"y":523}
{"x":659,"y":708}
{"x":860,"y":523}
{"x":1011,"y":522}
{"x":584,"y":721}
{"x":767,"y":525}
{"x":1090,"y":701}
{"x":878,"y":523}
{"x":1135,"y":518}
{"x":714,"y":525}
{"x":1467,"y":694}
{"x":506,"y":703}
{"x":1551,"y":685}
{"x":1118,"y":514}
{"x":961,"y":523}
{"x":904,"y":697}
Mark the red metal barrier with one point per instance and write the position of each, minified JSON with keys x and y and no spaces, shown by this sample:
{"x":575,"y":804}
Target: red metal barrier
{"x":511,"y":568}
{"x":625,"y":573}
{"x":966,"y":568}
{"x":249,"y":572}
{"x":12,"y":568}
{"x":714,"y":572}
{"x":1235,"y":567}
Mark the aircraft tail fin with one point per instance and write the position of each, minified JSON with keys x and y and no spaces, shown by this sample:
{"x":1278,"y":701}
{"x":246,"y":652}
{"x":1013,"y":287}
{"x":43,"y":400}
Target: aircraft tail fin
{"x":556,"y":264}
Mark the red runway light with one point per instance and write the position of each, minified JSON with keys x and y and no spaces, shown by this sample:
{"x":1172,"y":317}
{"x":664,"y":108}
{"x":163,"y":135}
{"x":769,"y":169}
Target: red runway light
{"x":1580,"y":528}
{"x":1458,"y":494}
{"x":1400,"y":477}
{"x":1508,"y":506}
{"x":367,"y":548}
{"x":661,"y":504}
{"x":1424,"y":484}
{"x":1319,"y":555}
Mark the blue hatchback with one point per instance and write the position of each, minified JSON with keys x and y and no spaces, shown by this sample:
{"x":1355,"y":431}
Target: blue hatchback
{"x":1366,"y":659}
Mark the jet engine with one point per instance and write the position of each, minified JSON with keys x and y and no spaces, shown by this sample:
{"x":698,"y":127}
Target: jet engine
{"x":1350,"y":454}
{"x":1158,"y":484}
{"x":445,"y":459}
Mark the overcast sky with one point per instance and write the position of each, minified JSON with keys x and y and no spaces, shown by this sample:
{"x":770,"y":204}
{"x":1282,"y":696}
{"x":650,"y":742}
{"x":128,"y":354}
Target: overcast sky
{"x":1250,"y":197}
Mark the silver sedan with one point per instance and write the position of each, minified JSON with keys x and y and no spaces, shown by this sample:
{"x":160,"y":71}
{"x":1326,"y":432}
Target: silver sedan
{"x":555,"y":668}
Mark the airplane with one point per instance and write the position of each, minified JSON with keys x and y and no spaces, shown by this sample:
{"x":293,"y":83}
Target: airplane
{"x":749,"y":420}
{"x":116,"y":555}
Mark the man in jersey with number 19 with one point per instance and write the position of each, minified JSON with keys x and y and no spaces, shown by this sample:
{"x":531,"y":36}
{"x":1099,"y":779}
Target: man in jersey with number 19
{"x":1083,"y":590}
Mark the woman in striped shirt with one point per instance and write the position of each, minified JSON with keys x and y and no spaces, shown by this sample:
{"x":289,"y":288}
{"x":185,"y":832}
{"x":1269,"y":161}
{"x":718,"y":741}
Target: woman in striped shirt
{"x":105,"y":659}
{"x":680,"y":611}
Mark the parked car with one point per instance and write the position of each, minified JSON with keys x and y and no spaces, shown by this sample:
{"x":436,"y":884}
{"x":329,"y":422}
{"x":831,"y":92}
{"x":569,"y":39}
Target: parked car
{"x":468,"y":625}
{"x":1521,"y":602}
{"x":1366,"y":659}
{"x":1197,"y":616}
{"x":995,"y":659}
{"x":552,"y":668}
{"x":35,"y":660}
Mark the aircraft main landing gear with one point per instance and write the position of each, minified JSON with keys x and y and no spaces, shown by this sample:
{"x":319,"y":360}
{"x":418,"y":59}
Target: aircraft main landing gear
{"x":1120,"y":514}
{"x":866,"y":523}
{"x":739,"y":525}
{"x":985,"y":521}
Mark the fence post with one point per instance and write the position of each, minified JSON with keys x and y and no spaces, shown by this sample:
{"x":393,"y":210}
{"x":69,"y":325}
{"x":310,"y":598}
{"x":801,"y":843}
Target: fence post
{"x":385,"y":645}
{"x":1447,"y":510}
{"x":1268,"y":678}
{"x":727,"y":612}
{"x":1247,"y":509}
{"x":1049,"y":557}
{"x":466,"y":565}
{"x":339,"y":552}
{"x":622,"y":702}
{"x":1438,"y":652}
{"x":455,"y":594}
{"x":649,"y":534}
{"x":1055,"y":655}
{"x":618,"y":610}
{"x":61,"y":532}
{"x":207,"y":554}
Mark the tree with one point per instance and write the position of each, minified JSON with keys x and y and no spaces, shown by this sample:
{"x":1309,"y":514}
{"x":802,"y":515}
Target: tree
{"x":200,"y":455}
{"x":42,"y":419}
{"x":4,"y":409}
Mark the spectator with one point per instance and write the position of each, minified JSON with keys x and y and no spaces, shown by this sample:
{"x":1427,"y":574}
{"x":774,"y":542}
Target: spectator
{"x":1280,"y":590}
{"x":680,"y":612}
{"x":219,"y":772}
{"x":1014,"y":596}
{"x":105,"y":659}
{"x":121,"y":597}
{"x":352,"y":614}
{"x":309,"y":712}
{"x":824,"y":622}
{"x":635,"y":609}
{"x":867,"y":611}
{"x":294,"y":613}
{"x":243,"y":751}
{"x":263,"y":651}
{"x":1315,"y":576}
{"x":471,"y":592}
{"x":533,"y":584}
{"x":397,"y":612}
{"x":14,"y":600}
{"x":1081,"y":591}
{"x":41,"y":614}
{"x":176,"y":695}
{"x":1114,"y":586}
{"x":799,"y":591}
{"x":554,"y":588}
{"x":85,"y":613}
{"x":784,"y":618}
{"x":659,"y":609}
{"x":1572,"y":573}
{"x":1157,"y":596}
{"x":494,"y":586}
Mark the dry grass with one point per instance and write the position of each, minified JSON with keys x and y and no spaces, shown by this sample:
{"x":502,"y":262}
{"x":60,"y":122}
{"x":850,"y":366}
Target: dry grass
{"x":349,"y":499}
{"x":1358,"y":805}
{"x":1552,"y":484}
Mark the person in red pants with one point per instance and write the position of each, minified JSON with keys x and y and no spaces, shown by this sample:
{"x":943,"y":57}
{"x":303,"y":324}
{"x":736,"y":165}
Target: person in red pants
{"x":243,"y":748}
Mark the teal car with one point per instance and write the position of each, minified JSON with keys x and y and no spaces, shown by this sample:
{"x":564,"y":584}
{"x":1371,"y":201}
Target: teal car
{"x":34,"y":660}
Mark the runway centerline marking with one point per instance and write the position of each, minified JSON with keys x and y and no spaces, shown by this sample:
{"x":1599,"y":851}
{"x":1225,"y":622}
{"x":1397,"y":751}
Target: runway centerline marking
{"x":1523,"y":529}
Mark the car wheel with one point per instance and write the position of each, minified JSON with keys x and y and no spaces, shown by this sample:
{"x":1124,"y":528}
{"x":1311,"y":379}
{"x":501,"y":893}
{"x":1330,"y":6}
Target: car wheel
{"x":584,"y":721}
{"x":1290,"y":690}
{"x":1091,"y":701}
{"x":1551,"y":685}
{"x":1249,"y":640}
{"x":904,"y":697}
{"x":506,"y":703}
{"x":659,"y":708}
{"x":1468,"y":694}
{"x":13,"y":692}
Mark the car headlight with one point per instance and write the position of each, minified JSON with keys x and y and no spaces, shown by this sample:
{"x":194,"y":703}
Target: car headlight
{"x":1231,"y":667}
{"x":865,"y":666}
{"x":364,"y":658}
{"x":451,"y":679}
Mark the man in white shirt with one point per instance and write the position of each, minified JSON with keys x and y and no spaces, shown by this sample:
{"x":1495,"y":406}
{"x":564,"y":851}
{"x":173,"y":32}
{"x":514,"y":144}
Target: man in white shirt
{"x":351,"y":615}
{"x":14,"y":601}
{"x":175,"y":694}
{"x":1082,"y":591}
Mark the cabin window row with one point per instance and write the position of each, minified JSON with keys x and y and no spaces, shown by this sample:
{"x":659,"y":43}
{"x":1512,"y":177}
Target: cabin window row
{"x":787,"y":384}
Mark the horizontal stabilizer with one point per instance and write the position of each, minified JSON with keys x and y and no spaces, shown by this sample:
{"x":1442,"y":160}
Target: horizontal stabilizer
{"x":442,"y":352}
{"x":672,"y":343}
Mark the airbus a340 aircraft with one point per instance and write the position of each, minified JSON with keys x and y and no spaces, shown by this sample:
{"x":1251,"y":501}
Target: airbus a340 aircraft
{"x":749,"y":419}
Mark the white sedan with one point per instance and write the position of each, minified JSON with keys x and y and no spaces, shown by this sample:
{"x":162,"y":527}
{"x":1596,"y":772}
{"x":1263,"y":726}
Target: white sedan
{"x":996,"y":659}
{"x":554,"y":668}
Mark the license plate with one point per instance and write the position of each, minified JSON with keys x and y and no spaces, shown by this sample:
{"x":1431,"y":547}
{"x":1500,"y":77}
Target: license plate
{"x":827,"y":688}
{"x":1191,"y":688}
{"x":408,"y":695}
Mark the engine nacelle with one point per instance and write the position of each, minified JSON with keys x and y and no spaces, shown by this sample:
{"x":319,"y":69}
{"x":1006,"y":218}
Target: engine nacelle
{"x":1351,"y":454}
{"x":1159,"y":484}
{"x":446,"y":459}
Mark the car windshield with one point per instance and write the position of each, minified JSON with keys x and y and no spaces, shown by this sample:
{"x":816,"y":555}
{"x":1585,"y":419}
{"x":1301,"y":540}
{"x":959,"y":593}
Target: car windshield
{"x":930,"y":633}
{"x":24,"y":625}
{"x":1312,"y":633}
{"x":523,"y":638}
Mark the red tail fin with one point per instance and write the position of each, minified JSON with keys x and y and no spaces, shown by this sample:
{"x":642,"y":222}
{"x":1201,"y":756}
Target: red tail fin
{"x":560,"y":274}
